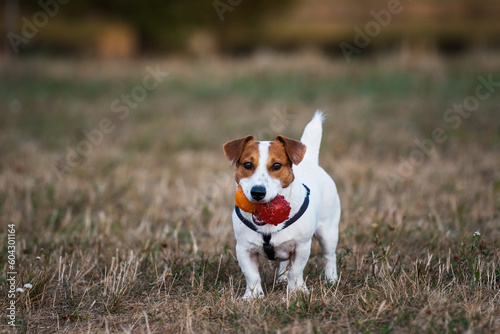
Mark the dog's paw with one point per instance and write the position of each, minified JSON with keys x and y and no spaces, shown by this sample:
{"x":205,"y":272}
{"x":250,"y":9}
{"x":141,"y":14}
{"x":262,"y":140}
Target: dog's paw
{"x":253,"y":294}
{"x":283,"y":279}
{"x":294,"y":289}
{"x":331,"y":279}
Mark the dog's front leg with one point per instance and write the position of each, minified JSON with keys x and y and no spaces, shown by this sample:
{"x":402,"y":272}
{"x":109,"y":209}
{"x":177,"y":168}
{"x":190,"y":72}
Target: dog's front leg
{"x":296,"y":271}
{"x":249,"y":263}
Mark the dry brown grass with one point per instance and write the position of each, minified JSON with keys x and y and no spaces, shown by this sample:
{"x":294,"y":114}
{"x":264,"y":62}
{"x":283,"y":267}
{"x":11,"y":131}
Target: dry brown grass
{"x":138,"y":237}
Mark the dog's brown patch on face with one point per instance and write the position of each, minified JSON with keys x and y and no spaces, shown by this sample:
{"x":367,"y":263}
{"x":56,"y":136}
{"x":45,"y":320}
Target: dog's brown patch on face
{"x":248,"y":161}
{"x":283,"y":153}
{"x":294,"y":149}
{"x":278,"y":155}
{"x":234,"y":148}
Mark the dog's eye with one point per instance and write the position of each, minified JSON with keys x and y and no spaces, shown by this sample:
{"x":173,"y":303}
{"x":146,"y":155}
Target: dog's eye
{"x":247,"y":165}
{"x":276,"y":166}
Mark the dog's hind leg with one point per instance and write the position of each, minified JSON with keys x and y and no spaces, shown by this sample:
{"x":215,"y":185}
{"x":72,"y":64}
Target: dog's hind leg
{"x":282,"y":272}
{"x":327,"y":235}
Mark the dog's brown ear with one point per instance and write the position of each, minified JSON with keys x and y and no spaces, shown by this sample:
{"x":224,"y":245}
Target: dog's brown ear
{"x":294,"y":149}
{"x":234,"y":148}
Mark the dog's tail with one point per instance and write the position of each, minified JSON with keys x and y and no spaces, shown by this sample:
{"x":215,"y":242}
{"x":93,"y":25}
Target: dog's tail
{"x":312,"y":137}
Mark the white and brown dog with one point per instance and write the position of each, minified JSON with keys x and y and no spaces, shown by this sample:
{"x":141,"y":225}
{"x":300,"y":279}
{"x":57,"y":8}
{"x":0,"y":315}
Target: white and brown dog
{"x":289,"y":168}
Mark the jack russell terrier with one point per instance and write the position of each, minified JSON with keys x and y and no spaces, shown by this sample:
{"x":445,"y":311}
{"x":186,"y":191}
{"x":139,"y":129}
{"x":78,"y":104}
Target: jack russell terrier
{"x":284,"y":171}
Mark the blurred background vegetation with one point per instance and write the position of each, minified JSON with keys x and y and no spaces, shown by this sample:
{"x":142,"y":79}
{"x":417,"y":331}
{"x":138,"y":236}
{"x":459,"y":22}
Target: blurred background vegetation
{"x":115,"y":28}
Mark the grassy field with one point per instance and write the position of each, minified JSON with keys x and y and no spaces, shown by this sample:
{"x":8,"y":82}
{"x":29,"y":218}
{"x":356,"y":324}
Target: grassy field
{"x":121,"y":197}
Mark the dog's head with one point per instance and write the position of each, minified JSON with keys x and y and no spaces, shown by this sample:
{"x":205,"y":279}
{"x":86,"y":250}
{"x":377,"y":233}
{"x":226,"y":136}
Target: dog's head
{"x":264,"y":168}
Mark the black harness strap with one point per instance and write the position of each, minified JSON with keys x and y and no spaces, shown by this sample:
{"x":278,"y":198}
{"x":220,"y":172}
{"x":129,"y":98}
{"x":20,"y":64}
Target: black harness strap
{"x":301,"y":211}
{"x":266,"y":237}
{"x":268,"y":248}
{"x":245,"y":221}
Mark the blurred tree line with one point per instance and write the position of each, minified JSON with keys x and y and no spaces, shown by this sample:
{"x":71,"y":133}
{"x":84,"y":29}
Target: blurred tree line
{"x":123,"y":28}
{"x":155,"y":25}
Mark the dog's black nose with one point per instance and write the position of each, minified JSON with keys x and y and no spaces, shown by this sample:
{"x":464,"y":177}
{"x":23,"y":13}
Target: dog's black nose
{"x":258,"y":192}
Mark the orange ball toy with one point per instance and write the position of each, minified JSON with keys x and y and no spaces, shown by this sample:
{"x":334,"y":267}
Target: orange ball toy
{"x":242,"y":201}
